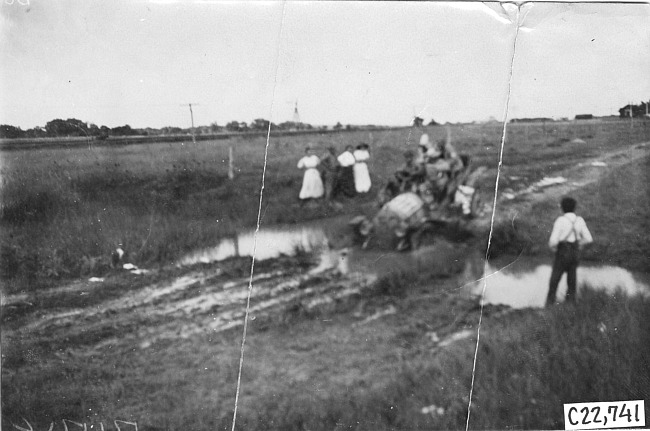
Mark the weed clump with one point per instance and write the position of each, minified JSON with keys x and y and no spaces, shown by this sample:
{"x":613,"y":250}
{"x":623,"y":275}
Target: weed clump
{"x":510,"y":238}
{"x":393,"y":284}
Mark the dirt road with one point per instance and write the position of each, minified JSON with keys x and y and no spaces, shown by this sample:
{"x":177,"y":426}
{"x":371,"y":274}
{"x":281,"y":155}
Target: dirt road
{"x":517,"y":199}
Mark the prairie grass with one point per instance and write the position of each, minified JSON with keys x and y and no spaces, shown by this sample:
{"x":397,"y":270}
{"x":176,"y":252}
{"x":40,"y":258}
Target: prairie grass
{"x":529,"y":367}
{"x":529,"y":363}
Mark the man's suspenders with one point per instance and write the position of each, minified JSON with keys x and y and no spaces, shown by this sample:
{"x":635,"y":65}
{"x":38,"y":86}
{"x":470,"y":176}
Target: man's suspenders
{"x":573,"y":230}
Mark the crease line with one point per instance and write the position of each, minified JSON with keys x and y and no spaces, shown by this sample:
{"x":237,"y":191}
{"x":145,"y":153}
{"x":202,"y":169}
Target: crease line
{"x":494,"y":207}
{"x":486,"y":276}
{"x":257,"y":227}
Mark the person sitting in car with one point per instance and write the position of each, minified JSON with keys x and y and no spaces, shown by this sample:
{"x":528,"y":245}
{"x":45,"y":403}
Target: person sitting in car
{"x":410,"y":174}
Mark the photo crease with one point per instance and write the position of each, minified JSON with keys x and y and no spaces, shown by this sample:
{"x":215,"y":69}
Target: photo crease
{"x":494,"y":207}
{"x":257,"y":227}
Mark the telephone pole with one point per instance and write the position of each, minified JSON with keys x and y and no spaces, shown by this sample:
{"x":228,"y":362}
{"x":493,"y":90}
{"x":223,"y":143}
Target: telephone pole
{"x":192,"y":119}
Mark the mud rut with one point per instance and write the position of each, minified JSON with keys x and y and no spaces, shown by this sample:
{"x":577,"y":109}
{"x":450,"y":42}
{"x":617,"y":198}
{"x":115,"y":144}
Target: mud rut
{"x":190,"y":305}
{"x":582,"y":174}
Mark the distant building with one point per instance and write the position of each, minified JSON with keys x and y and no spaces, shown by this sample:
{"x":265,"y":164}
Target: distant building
{"x":296,"y":115}
{"x":630,"y":110}
{"x":584,"y":117}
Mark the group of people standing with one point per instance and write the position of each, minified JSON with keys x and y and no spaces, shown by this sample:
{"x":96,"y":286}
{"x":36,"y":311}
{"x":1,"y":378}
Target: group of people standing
{"x":330,"y":176}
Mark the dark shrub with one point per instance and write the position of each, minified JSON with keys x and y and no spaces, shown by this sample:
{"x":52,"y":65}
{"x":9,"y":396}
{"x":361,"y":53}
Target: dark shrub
{"x":35,"y":207}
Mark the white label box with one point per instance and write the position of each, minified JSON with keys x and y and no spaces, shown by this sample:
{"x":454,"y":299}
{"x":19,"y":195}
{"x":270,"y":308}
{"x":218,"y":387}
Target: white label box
{"x":603,"y":415}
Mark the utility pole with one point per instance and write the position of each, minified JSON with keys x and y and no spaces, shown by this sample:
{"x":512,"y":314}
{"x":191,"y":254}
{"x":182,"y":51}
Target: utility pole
{"x":192,"y":118}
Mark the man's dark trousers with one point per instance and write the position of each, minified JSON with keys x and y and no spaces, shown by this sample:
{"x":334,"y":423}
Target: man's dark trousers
{"x":566,"y":260}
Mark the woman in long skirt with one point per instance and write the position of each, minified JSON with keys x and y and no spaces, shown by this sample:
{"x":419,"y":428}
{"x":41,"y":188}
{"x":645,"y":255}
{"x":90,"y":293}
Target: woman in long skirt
{"x":312,"y":185}
{"x":345,"y":180}
{"x":361,"y":176}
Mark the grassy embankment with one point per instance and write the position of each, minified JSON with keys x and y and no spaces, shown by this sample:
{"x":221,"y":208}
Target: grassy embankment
{"x":64,"y":210}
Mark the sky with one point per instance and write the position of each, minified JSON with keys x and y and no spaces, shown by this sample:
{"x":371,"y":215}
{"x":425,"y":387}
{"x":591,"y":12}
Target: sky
{"x":141,"y":62}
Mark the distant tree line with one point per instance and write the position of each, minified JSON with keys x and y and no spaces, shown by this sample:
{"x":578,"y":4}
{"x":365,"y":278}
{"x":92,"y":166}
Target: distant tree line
{"x":532,"y":120}
{"x":261,"y":124}
{"x":73,"y":127}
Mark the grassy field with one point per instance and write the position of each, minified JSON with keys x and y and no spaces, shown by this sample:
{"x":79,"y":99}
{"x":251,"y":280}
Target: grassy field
{"x":528,"y":365}
{"x":65,"y":210}
{"x":396,"y":355}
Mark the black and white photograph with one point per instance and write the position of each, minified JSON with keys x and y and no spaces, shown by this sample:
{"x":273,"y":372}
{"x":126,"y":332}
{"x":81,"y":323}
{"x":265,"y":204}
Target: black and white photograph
{"x":324,"y":215}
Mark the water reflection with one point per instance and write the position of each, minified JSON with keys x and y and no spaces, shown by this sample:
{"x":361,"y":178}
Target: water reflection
{"x":520,"y":282}
{"x":521,"y":286}
{"x":271,"y":243}
{"x":330,"y":241}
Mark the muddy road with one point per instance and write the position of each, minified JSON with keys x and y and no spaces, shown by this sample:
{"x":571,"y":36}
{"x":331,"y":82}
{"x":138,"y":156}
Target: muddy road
{"x":210,"y":300}
{"x":199,"y":302}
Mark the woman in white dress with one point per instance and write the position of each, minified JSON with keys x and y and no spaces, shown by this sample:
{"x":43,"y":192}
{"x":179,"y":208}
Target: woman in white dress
{"x":361,"y":175}
{"x":312,"y":184}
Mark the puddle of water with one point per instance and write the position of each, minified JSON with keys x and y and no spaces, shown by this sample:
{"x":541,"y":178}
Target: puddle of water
{"x":521,"y":284}
{"x":525,"y":283}
{"x":443,"y":257}
{"x":271,"y":243}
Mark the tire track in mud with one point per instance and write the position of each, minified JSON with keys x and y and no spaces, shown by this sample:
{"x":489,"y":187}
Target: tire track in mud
{"x":191,"y":305}
{"x":588,"y":171}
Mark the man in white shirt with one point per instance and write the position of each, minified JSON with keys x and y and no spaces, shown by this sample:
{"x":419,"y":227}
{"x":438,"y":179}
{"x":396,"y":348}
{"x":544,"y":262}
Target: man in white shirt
{"x":569,"y":234}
